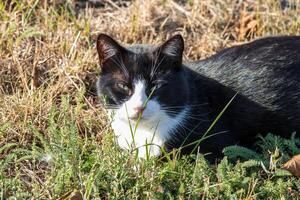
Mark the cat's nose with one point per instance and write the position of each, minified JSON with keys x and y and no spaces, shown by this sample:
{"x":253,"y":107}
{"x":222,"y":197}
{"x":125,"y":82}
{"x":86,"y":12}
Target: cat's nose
{"x":138,"y":111}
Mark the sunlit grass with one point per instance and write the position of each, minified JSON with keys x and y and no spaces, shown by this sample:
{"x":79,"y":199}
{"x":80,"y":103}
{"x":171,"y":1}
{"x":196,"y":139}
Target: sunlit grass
{"x":55,"y":139}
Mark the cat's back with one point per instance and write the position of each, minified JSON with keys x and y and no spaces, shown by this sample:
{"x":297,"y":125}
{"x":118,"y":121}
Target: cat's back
{"x":266,"y":71}
{"x":272,"y":53}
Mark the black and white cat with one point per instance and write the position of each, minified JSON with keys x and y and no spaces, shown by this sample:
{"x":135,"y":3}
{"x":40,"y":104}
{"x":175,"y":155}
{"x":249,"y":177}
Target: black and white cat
{"x":157,"y":101}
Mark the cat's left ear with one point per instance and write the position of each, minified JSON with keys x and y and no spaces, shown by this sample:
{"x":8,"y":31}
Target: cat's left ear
{"x":173,"y":47}
{"x":108,"y":47}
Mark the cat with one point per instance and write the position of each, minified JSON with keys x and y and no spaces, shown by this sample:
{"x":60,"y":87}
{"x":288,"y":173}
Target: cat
{"x":159,"y":102}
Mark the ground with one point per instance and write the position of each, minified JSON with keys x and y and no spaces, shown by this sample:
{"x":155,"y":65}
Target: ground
{"x":55,"y":139}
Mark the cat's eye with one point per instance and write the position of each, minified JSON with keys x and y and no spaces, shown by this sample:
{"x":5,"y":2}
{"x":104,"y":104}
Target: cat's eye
{"x":123,"y":87}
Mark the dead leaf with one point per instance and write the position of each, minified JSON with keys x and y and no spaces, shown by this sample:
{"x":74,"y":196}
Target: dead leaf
{"x":293,"y":166}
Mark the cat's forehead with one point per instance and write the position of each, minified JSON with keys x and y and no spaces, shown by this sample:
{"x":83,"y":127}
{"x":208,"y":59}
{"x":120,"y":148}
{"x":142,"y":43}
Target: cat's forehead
{"x":141,"y":48}
{"x":140,"y":65}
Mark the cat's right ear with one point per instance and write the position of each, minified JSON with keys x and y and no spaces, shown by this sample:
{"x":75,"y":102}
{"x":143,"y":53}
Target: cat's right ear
{"x":107,"y":47}
{"x":173,"y":47}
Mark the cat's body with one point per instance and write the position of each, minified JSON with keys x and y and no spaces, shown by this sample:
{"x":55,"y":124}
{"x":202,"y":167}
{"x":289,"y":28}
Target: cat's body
{"x":187,"y":97}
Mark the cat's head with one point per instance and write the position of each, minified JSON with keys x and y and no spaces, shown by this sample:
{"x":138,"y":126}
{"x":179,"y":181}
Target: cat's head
{"x":151,"y":83}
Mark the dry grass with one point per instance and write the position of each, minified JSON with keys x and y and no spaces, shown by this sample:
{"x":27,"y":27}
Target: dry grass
{"x":47,"y":50}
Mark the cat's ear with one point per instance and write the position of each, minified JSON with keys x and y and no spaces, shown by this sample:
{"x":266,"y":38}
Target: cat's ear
{"x":107,"y":47}
{"x":173,"y":47}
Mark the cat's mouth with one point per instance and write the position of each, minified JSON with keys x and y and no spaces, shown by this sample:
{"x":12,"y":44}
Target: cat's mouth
{"x":143,"y":120}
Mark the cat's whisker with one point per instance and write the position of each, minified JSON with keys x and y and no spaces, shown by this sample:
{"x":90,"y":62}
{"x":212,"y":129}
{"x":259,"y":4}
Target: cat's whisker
{"x":189,"y":116}
{"x":111,"y":106}
{"x":192,"y":115}
{"x":186,"y":131}
{"x":156,"y":67}
{"x":154,"y":63}
{"x":196,"y":118}
{"x":124,"y":67}
{"x":183,"y":106}
{"x":120,"y":64}
{"x":177,"y":110}
{"x":200,"y":104}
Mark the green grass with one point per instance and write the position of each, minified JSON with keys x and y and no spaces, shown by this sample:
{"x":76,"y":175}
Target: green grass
{"x":63,"y":160}
{"x":55,"y":139}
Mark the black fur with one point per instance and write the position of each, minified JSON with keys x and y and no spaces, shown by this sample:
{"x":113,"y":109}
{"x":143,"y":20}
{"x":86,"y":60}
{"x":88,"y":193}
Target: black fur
{"x":265,"y":74}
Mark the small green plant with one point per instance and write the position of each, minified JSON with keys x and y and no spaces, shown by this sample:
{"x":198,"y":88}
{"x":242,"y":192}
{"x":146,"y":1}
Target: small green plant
{"x":60,"y":161}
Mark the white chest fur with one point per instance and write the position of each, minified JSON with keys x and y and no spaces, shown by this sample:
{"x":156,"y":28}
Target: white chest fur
{"x":148,"y":137}
{"x":143,"y":140}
